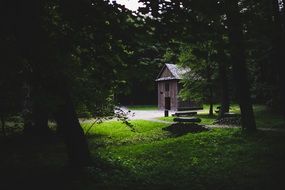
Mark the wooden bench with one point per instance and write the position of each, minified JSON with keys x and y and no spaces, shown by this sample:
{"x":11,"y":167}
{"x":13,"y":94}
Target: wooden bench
{"x":184,"y":113}
{"x":189,"y":108}
{"x":187,"y":119}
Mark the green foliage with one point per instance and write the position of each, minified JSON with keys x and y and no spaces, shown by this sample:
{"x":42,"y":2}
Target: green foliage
{"x":194,"y":83}
{"x":92,"y":49}
{"x":200,"y":22}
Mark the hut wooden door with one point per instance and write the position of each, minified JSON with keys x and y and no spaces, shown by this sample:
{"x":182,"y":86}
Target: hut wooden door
{"x":167,"y":103}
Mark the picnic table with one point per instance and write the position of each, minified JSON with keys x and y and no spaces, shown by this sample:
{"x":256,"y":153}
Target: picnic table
{"x":187,"y":111}
{"x":184,"y":113}
{"x":189,"y":108}
{"x":187,"y":119}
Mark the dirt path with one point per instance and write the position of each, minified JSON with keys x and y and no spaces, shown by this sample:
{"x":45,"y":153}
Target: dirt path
{"x":152,"y":115}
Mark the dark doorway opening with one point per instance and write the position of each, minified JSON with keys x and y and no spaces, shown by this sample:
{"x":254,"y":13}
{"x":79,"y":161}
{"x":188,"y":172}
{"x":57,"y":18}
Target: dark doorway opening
{"x":167,"y":103}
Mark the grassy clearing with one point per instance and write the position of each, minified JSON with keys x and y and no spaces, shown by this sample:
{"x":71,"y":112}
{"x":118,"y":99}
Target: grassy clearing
{"x":116,"y":133}
{"x":142,"y":107}
{"x":219,"y":159}
{"x":150,"y":158}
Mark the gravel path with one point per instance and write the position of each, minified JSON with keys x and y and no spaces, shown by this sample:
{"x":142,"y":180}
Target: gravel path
{"x":152,"y":115}
{"x":149,"y":114}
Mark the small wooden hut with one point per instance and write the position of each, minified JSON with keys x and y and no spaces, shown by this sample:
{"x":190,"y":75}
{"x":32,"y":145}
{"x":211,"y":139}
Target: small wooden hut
{"x":168,"y":87}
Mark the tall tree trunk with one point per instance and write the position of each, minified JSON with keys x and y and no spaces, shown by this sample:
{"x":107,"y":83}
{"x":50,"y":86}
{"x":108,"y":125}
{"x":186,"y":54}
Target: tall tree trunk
{"x":210,"y":85}
{"x":282,"y":16}
{"x":31,"y":46}
{"x":40,"y":117}
{"x":225,"y":100}
{"x":40,"y":107}
{"x":211,"y":110}
{"x":239,"y":64}
{"x":3,"y":126}
{"x":278,"y":44}
{"x":281,"y":65}
{"x":36,"y":47}
{"x":27,"y":108}
{"x":73,"y":135}
{"x":36,"y":113}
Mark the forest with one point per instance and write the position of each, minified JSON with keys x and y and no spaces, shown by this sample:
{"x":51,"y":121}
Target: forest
{"x":73,"y":73}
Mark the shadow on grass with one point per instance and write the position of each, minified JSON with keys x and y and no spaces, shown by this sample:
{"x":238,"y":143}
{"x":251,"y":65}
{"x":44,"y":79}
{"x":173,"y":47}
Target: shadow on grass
{"x":179,"y":129}
{"x":35,"y":163}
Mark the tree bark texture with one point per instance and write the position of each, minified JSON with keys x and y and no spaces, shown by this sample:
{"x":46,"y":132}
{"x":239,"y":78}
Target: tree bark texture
{"x":47,"y":75}
{"x":237,"y":51}
{"x":210,"y":85}
{"x":35,"y":111}
{"x":278,"y":45}
{"x":225,"y":100}
{"x":3,"y":126}
{"x":69,"y":128}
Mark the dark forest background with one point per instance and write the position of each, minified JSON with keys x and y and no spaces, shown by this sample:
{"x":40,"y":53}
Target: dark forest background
{"x":63,"y":59}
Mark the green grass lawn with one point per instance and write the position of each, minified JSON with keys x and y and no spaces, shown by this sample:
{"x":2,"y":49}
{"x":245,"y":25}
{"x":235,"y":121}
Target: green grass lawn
{"x":266,"y":119}
{"x":116,"y":133}
{"x":149,"y":158}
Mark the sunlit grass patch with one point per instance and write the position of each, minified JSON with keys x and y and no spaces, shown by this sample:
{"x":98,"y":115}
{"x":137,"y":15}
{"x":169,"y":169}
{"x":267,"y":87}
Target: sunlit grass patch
{"x":220,"y":158}
{"x":117,"y":133}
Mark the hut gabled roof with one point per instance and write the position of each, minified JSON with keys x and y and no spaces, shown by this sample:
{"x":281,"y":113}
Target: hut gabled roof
{"x":176,"y":72}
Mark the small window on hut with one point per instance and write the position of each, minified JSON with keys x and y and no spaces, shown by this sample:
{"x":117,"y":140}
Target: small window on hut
{"x":166,"y":87}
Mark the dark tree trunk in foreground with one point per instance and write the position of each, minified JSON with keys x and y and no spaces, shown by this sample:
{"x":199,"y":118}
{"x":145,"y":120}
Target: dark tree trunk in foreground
{"x":27,"y":109}
{"x":283,"y":15}
{"x":278,"y":45}
{"x":210,"y":86}
{"x":239,"y":64}
{"x":281,"y":63}
{"x":35,"y":112}
{"x":40,"y":116}
{"x":37,"y":48}
{"x":32,"y":41}
{"x":3,"y":126}
{"x":73,"y":135}
{"x":37,"y":124}
{"x":40,"y":107}
{"x":225,"y":100}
